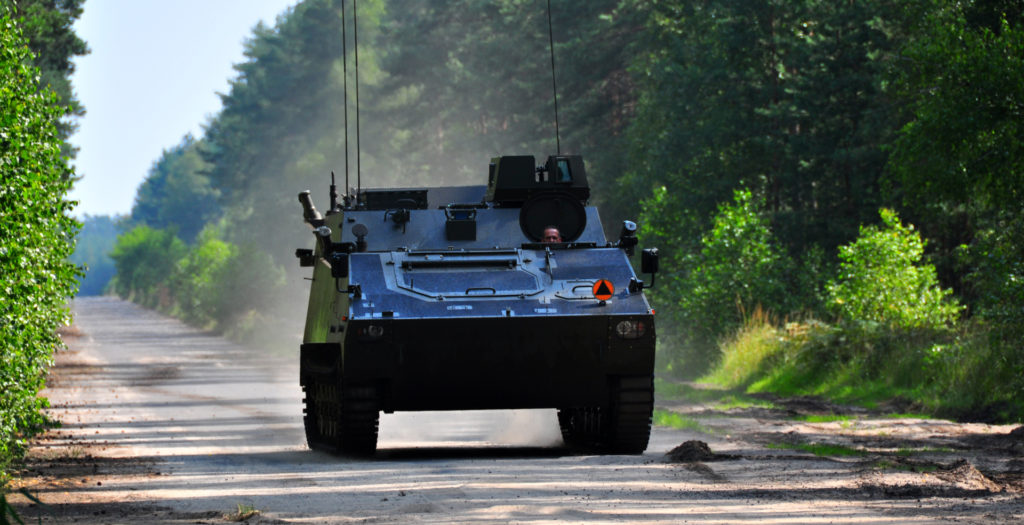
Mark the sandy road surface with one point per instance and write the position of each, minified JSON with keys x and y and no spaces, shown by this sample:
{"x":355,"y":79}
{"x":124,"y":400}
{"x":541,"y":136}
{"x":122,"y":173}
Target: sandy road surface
{"x":164,"y":424}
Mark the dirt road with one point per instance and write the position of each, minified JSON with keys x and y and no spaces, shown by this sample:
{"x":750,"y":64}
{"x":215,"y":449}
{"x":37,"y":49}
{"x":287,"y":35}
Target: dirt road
{"x":165,"y":424}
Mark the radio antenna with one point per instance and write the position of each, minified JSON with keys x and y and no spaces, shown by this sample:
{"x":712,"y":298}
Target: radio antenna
{"x":554,"y":84}
{"x":355,"y":35}
{"x":344,"y":90}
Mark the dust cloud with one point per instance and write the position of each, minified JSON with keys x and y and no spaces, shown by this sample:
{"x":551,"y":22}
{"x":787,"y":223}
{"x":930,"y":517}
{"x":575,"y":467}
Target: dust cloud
{"x":514,"y":428}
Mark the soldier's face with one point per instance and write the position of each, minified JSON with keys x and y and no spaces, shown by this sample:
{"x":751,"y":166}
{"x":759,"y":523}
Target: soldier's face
{"x":552,"y":235}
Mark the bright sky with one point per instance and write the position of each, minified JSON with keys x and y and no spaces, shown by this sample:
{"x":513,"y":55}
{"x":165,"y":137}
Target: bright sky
{"x":153,"y":75}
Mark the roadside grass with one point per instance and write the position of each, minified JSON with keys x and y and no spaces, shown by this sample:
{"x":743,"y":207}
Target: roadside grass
{"x":885,"y":464}
{"x":243,"y":513}
{"x":748,"y":351}
{"x":907,"y":452}
{"x":719,"y":398}
{"x":824,"y":418}
{"x":907,"y":415}
{"x":666,"y":418}
{"x":820,"y":449}
{"x":731,"y":401}
{"x":675,"y":391}
{"x":945,"y":373}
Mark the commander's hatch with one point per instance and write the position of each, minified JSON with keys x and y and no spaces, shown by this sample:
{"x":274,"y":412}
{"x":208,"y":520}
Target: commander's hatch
{"x":465,"y":273}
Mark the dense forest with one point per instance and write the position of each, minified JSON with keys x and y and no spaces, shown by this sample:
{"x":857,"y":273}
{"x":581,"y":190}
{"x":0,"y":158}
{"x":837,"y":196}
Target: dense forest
{"x":834,"y":186}
{"x":36,"y":228}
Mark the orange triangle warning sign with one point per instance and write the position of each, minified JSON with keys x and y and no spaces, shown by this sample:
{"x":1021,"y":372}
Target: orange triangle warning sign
{"x":603,"y":290}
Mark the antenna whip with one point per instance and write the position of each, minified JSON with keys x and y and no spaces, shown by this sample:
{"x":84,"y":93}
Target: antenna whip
{"x":554,"y":85}
{"x":355,"y":35}
{"x":344,"y":89}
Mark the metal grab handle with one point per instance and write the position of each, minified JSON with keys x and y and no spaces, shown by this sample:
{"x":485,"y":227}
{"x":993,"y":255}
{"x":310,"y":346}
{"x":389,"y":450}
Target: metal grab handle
{"x":458,"y":263}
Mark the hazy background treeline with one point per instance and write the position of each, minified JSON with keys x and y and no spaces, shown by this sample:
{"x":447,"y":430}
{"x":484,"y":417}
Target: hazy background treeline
{"x":835,"y":186}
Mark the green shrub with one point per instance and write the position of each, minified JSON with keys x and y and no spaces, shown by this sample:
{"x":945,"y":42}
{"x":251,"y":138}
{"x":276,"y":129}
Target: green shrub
{"x":36,"y":239}
{"x":145,"y":259}
{"x":198,"y":290}
{"x":881,"y":279}
{"x":740,"y":268}
{"x":213,"y":284}
{"x":251,"y":285}
{"x":998,"y":279}
{"x":997,"y":258}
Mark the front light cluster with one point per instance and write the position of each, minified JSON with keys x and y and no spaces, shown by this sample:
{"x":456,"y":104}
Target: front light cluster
{"x":371,"y":332}
{"x":630,"y":329}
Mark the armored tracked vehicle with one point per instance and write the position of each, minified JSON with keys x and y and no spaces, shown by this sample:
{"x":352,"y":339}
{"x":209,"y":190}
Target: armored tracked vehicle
{"x":446,"y":299}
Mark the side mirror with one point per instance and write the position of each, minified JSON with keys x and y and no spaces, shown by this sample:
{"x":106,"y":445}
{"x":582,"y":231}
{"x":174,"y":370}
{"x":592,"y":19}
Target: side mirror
{"x":339,"y":265}
{"x":649,"y":261}
{"x":627,"y":237}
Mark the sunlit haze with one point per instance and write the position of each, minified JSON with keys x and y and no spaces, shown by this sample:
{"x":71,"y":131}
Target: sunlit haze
{"x":153,"y":76}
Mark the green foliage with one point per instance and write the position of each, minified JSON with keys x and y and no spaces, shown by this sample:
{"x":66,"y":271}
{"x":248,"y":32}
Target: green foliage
{"x":881,"y":279}
{"x":253,"y":284}
{"x":748,"y":352}
{"x":145,"y":259}
{"x":665,"y":418}
{"x":36,"y":237}
{"x":48,"y":26}
{"x":965,"y":87}
{"x":998,"y":281}
{"x":807,"y":104}
{"x":959,"y":375}
{"x":244,"y":512}
{"x":443,"y":88}
{"x":223,"y":286}
{"x":177,"y":192}
{"x":739,"y":269}
{"x":824,"y":418}
{"x":785,"y":97}
{"x":820,"y":449}
{"x":92,"y":253}
{"x":199,"y":291}
{"x":213,"y":284}
{"x":959,"y":155}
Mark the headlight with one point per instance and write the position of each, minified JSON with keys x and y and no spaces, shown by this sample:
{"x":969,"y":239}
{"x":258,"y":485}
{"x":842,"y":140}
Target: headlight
{"x":630,"y":329}
{"x":371,"y":332}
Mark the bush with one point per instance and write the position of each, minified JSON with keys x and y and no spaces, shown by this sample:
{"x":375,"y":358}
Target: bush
{"x":198,"y":290}
{"x":213,"y":284}
{"x":739,"y":269}
{"x":998,"y":279}
{"x":250,"y":284}
{"x":36,"y":238}
{"x":145,"y":259}
{"x":881,"y":279}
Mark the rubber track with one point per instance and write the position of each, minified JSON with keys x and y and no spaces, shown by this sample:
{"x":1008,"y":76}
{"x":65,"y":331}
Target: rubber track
{"x":632,"y":406}
{"x":623,"y":427}
{"x":340,"y":420}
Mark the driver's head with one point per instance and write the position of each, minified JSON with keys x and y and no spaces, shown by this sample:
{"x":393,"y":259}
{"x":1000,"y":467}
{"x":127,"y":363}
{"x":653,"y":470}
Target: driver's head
{"x":551,"y":234}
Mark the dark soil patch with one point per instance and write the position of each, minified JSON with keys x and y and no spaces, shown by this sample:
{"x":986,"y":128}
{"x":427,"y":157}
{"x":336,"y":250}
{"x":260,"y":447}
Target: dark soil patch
{"x":693,"y":451}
